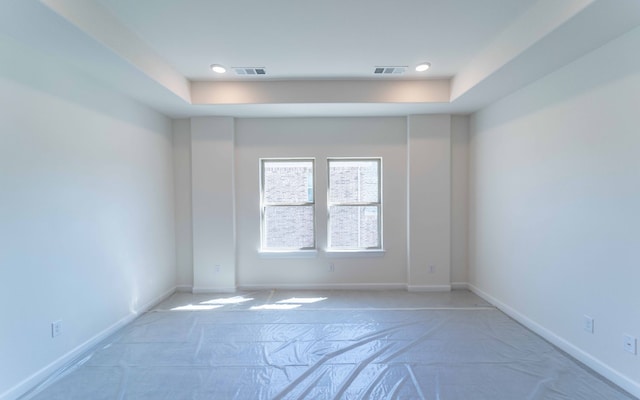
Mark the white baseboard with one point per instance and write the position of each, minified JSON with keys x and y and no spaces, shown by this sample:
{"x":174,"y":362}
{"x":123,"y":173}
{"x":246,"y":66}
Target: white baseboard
{"x":206,"y":290}
{"x":32,"y":382}
{"x":154,"y":302}
{"x":459,"y":286}
{"x":325,"y":286}
{"x":184,"y":289}
{"x":349,"y":286}
{"x":429,"y":288}
{"x":598,"y":366}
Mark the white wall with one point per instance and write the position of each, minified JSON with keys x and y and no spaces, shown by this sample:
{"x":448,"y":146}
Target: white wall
{"x":247,"y":140}
{"x":429,"y":187}
{"x":86,"y":212}
{"x":321,"y":138}
{"x":459,"y":200}
{"x":182,"y":180}
{"x":554,"y":208}
{"x":213,"y":204}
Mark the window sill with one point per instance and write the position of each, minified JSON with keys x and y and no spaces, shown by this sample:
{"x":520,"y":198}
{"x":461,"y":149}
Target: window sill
{"x":355,"y":253}
{"x":288,"y":253}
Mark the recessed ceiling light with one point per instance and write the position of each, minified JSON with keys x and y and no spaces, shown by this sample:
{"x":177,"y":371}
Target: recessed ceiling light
{"x":218,"y":68}
{"x":423,"y":67}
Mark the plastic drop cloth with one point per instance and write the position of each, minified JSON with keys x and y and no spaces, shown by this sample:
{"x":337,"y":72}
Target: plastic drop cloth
{"x":326,"y":345}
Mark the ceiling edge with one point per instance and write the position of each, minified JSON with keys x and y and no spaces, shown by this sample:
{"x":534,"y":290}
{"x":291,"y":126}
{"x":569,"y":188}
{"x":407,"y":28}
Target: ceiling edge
{"x":97,"y":22}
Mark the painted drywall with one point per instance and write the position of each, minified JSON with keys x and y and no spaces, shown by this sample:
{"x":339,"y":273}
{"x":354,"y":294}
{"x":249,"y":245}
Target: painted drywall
{"x":429,"y":188}
{"x":554,"y":195}
{"x":182,"y":184}
{"x":459,"y":200}
{"x":213,"y":204}
{"x":320,"y":91}
{"x":443,"y":160}
{"x":86,"y":211}
{"x":321,"y":138}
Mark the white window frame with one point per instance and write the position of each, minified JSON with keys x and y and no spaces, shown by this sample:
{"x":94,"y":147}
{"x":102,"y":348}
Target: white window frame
{"x":264,"y":205}
{"x":377,"y":204}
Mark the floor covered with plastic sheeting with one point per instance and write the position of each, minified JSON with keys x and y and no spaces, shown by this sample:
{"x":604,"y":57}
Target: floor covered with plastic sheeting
{"x":326,"y":345}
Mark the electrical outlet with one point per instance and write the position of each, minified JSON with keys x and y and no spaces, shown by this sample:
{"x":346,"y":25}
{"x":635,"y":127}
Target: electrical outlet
{"x":629,"y":344}
{"x":332,"y":267}
{"x":588,"y":324}
{"x":217,"y":267}
{"x":56,"y":328}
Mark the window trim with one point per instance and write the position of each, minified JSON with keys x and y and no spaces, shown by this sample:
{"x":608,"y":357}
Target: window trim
{"x":264,"y":205}
{"x":378,"y":204}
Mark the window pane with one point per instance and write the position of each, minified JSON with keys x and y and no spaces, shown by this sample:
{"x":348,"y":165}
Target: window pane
{"x":354,"y":227}
{"x":288,"y":227}
{"x":288,"y":181}
{"x":354,"y":181}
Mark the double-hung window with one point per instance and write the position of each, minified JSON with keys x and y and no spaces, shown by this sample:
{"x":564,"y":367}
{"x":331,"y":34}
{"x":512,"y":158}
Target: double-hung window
{"x":287,"y":204}
{"x":354,"y":204}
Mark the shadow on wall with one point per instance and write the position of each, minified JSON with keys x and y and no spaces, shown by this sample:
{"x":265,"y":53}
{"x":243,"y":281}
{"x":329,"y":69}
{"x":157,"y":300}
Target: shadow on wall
{"x":62,"y":79}
{"x":621,"y":61}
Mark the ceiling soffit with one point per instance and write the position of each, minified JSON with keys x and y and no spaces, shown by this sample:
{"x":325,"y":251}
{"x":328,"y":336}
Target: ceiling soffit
{"x":545,"y":37}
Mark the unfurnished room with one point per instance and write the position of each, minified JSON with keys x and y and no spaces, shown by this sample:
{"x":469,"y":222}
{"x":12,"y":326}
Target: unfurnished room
{"x":356,"y":199}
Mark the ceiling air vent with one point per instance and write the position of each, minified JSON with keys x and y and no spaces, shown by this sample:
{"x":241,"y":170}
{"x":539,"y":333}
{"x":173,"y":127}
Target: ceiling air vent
{"x":250,"y":71}
{"x":389,"y":70}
